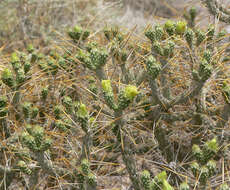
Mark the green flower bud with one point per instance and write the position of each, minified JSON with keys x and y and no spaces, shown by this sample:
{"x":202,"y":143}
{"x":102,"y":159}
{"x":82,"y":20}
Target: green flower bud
{"x":7,"y":78}
{"x":84,"y":58}
{"x":145,"y":179}
{"x":52,"y":67}
{"x":189,"y":37}
{"x":197,"y":152}
{"x":184,"y":186}
{"x":46,"y":144}
{"x":150,"y":34}
{"x":153,"y":67}
{"x":159,"y":32}
{"x":60,"y":125}
{"x":23,"y":167}
{"x":14,"y":58}
{"x":29,"y":141}
{"x":26,"y":109}
{"x":98,"y":57}
{"x":210,"y":148}
{"x":207,"y":56}
{"x":200,"y":36}
{"x":181,"y":27}
{"x":193,"y":13}
{"x":224,"y":186}
{"x":68,"y":104}
{"x":20,"y":76}
{"x":27,"y":67}
{"x":38,"y":134}
{"x":170,"y":27}
{"x":204,"y":174}
{"x":92,"y":179}
{"x":30,"y":48}
{"x":29,"y":129}
{"x":82,"y":111}
{"x":211,"y":32}
{"x":195,"y":168}
{"x":3,"y":101}
{"x":44,"y":93}
{"x":58,"y":111}
{"x":211,"y":165}
{"x":85,"y":166}
{"x":156,"y":47}
{"x":166,"y":185}
{"x":205,"y":70}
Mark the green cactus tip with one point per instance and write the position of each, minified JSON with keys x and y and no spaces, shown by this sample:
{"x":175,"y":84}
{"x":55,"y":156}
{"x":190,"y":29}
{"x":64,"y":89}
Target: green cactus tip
{"x":82,"y":111}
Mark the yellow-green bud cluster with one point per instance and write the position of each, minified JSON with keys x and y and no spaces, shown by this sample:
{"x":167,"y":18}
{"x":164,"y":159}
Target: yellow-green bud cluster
{"x":184,"y":186}
{"x":127,"y":96}
{"x":23,"y":167}
{"x":153,"y":67}
{"x":108,"y":94}
{"x":145,"y":179}
{"x":77,"y":33}
{"x":35,"y":139}
{"x":3,"y":106}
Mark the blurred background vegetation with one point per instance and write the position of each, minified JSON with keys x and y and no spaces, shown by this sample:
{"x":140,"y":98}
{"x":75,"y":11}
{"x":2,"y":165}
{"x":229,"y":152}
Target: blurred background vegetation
{"x":40,"y":22}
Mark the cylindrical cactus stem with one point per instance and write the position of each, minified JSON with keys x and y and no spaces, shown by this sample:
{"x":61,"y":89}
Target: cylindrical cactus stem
{"x":7,"y":78}
{"x":200,"y":37}
{"x":184,"y":186}
{"x":189,"y":37}
{"x":23,"y":167}
{"x":153,"y":67}
{"x":108,"y":94}
{"x":224,"y":186}
{"x":145,"y":179}
{"x":127,"y":96}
